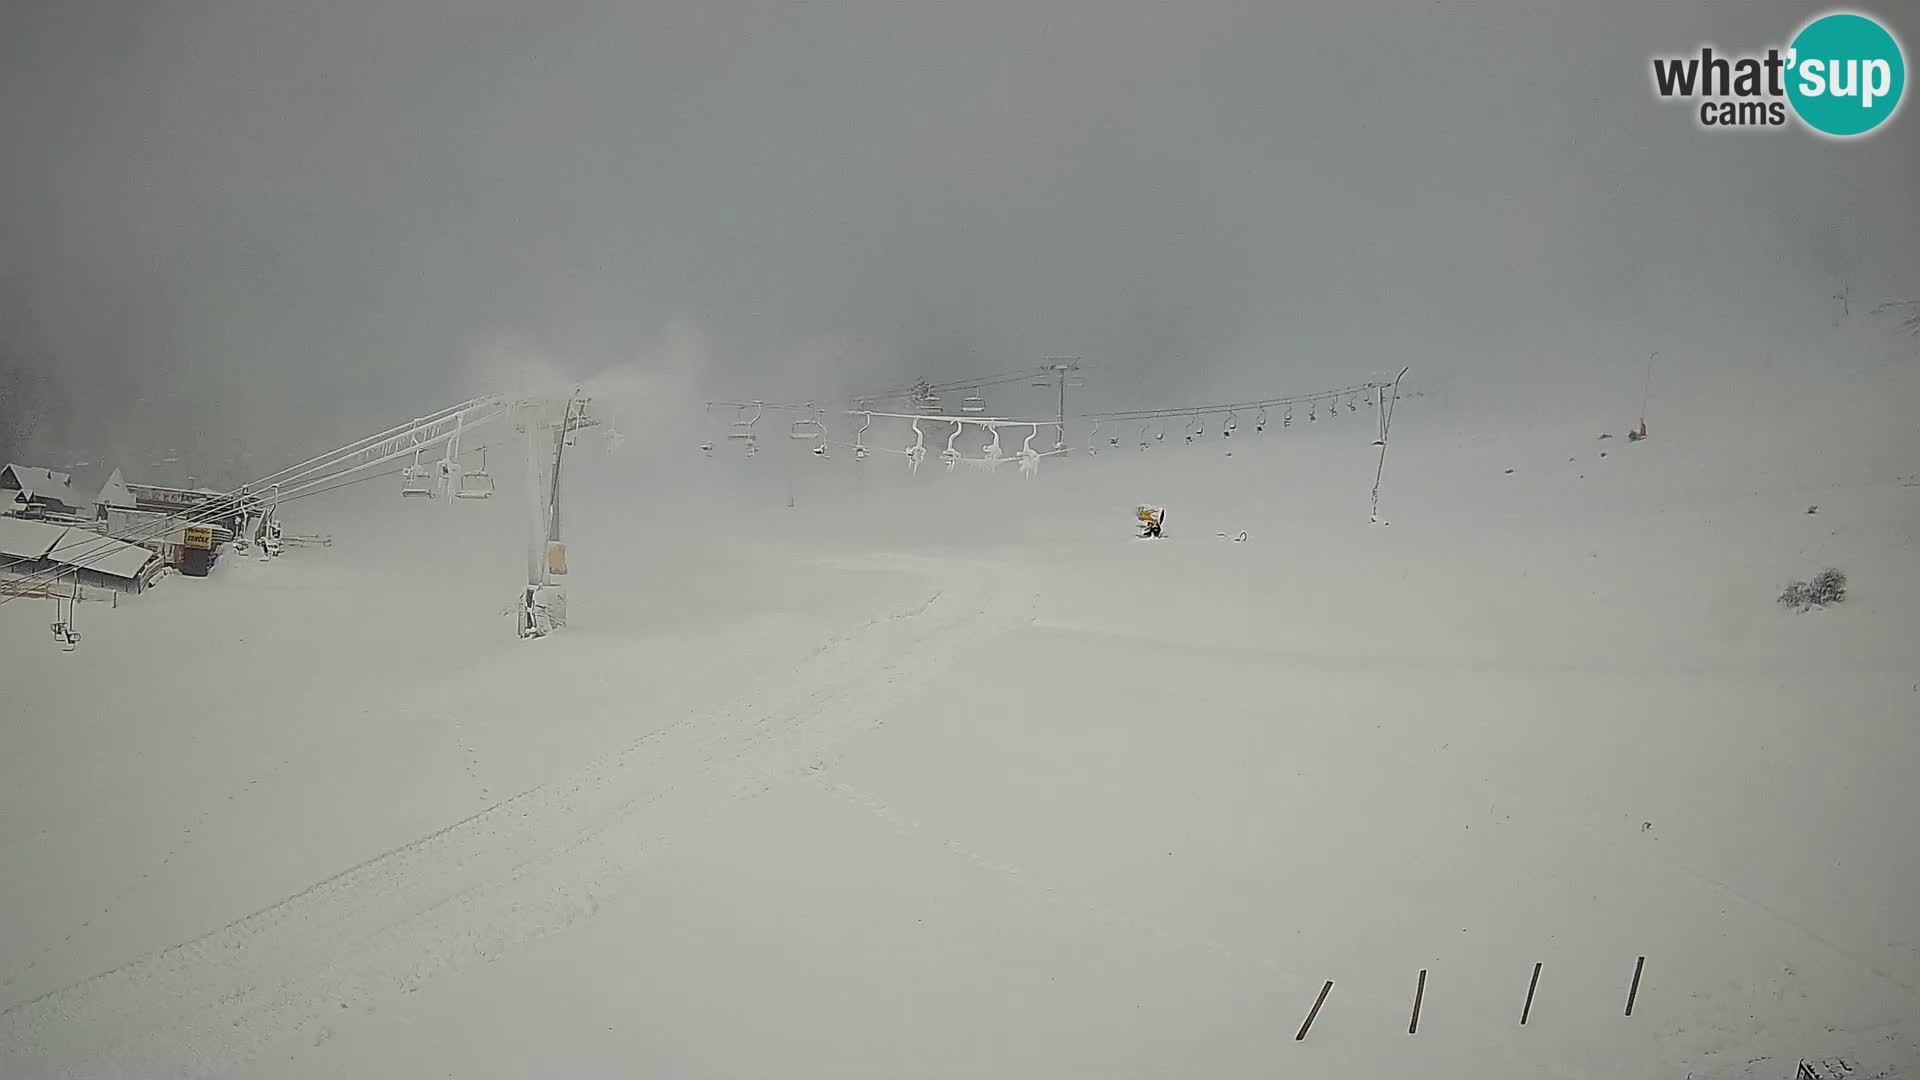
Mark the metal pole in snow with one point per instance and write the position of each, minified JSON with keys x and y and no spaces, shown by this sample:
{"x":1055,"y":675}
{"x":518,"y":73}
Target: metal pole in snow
{"x":1647,"y":396}
{"x":536,"y":509}
{"x":1063,"y":407}
{"x":453,"y":458}
{"x":559,"y":450}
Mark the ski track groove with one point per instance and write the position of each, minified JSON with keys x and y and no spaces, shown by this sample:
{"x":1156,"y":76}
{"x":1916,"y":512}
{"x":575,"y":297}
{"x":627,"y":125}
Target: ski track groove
{"x":533,"y":864}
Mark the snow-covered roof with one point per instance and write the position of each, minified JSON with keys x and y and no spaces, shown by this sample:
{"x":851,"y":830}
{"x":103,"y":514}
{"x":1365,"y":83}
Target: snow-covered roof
{"x":24,"y":539}
{"x":114,"y":492}
{"x":44,"y":483}
{"x":120,"y":560}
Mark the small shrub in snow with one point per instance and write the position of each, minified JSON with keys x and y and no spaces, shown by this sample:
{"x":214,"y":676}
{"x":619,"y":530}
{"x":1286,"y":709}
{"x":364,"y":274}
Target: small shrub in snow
{"x":1829,"y":586}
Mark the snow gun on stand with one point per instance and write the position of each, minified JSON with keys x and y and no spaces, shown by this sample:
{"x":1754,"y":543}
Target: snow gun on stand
{"x":1150,"y":518}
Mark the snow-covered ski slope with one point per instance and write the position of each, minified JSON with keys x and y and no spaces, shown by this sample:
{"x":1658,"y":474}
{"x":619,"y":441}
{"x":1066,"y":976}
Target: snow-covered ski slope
{"x":953,"y":777}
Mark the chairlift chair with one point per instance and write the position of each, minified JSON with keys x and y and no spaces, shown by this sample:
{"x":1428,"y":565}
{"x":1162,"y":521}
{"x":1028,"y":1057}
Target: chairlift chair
{"x":860,"y":439}
{"x":66,"y":617}
{"x":1029,"y":457}
{"x":415,"y":481}
{"x":991,"y":451}
{"x":476,"y":484}
{"x":742,"y":429}
{"x":951,"y":455}
{"x":918,"y":451}
{"x":973,"y":403}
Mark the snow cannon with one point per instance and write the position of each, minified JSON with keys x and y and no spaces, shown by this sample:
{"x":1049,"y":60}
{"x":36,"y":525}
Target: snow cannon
{"x":1149,"y":518}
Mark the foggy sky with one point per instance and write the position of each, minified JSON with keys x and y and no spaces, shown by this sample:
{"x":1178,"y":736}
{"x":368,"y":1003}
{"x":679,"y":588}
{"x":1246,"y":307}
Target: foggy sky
{"x":302,"y":222}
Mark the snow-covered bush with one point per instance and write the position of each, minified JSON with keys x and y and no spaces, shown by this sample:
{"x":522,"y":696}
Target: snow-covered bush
{"x":1829,"y":586}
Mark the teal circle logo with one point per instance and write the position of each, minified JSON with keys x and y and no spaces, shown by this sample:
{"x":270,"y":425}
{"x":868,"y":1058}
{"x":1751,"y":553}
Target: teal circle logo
{"x":1846,"y":75}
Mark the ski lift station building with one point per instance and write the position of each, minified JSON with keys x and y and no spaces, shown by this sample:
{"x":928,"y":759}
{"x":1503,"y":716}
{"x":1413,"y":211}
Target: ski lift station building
{"x":43,"y":553}
{"x":41,"y":490}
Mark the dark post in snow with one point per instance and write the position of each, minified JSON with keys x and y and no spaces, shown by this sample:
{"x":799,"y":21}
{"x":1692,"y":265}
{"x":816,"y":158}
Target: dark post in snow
{"x":559,"y":452}
{"x":1634,"y":990}
{"x":1061,"y":369}
{"x":1419,"y":992}
{"x":1315,"y":1011}
{"x":1528,"y":1010}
